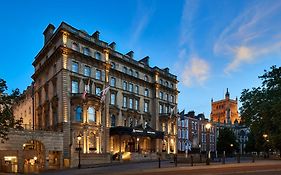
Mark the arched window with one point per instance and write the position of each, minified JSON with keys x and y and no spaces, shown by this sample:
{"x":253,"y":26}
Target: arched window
{"x":137,"y":74}
{"x":113,"y":120}
{"x":113,"y":65}
{"x":125,"y":69}
{"x":86,"y":51}
{"x":75,"y":46}
{"x":78,"y":114}
{"x":98,"y":56}
{"x":145,"y":78}
{"x":131,"y":72}
{"x":91,"y":114}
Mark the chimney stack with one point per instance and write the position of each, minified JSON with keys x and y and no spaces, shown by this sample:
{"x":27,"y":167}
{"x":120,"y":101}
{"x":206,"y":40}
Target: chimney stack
{"x":48,"y":33}
{"x":130,"y":54}
{"x":96,"y":35}
{"x":112,"y":45}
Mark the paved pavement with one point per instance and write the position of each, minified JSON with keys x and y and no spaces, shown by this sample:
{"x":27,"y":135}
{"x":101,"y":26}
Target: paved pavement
{"x":272,"y":167}
{"x":149,"y":168}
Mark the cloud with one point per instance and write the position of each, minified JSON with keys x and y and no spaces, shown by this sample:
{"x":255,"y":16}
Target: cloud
{"x":187,"y":22}
{"x":195,"y":72}
{"x":250,"y":35}
{"x":141,"y":20}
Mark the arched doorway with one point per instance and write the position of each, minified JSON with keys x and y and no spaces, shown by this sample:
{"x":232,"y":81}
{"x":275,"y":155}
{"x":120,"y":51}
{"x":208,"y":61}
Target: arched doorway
{"x":34,"y":156}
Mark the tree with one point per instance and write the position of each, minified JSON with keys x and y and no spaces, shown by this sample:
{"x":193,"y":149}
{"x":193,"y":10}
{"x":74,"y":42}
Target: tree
{"x":227,"y":141}
{"x":261,"y":109}
{"x":7,"y":119}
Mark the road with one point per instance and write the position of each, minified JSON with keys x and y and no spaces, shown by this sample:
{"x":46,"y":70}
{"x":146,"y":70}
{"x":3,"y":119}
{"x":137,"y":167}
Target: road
{"x":151,"y":168}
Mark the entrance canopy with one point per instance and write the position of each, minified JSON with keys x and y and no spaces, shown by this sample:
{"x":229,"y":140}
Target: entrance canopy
{"x":137,"y":131}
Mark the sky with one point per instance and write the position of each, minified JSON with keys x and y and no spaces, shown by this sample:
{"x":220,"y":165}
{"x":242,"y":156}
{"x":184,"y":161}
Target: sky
{"x":208,"y":45}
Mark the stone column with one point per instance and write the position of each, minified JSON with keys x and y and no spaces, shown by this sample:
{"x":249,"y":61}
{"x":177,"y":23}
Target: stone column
{"x":20,"y":161}
{"x":46,"y":159}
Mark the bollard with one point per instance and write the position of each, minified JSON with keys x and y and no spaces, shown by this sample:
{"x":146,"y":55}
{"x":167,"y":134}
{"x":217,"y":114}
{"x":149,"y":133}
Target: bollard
{"x":253,"y":158}
{"x":200,"y":158}
{"x":175,"y":160}
{"x":159,"y":162}
{"x":223,"y":158}
{"x":191,"y":160}
{"x":238,"y":158}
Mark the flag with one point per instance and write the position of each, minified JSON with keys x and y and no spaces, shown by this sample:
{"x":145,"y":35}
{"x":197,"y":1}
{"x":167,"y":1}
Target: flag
{"x":87,"y":89}
{"x":103,"y":93}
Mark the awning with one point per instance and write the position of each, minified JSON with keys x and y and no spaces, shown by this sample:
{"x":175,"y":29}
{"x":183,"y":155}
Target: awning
{"x":137,"y":131}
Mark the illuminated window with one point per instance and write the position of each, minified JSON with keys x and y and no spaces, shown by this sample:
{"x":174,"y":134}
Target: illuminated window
{"x":91,"y":114}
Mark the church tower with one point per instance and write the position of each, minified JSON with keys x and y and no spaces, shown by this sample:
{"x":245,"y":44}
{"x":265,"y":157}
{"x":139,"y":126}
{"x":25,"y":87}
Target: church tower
{"x":225,"y":110}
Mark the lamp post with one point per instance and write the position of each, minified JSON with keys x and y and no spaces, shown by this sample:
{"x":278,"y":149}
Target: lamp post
{"x":231,"y":145}
{"x":265,"y":136}
{"x":208,"y":127}
{"x":200,"y":153}
{"x":138,"y":139}
{"x":79,"y":137}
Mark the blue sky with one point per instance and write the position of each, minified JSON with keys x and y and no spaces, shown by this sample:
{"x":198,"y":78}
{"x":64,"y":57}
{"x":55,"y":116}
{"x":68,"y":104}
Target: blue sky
{"x":209,"y":45}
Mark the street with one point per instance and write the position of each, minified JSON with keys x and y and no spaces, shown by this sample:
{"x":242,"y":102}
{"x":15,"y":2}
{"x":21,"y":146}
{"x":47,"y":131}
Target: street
{"x":148,"y":168}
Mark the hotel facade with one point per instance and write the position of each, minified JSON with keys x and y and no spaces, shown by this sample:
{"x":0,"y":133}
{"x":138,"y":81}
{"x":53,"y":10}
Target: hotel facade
{"x":133,"y":120}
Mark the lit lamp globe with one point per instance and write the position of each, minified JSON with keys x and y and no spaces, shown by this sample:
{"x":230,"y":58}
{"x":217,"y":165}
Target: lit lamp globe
{"x":208,"y":125}
{"x":79,"y":137}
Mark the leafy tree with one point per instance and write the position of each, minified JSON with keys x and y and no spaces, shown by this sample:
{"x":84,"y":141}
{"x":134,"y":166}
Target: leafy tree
{"x":227,"y":141}
{"x":7,"y":119}
{"x":261,"y":109}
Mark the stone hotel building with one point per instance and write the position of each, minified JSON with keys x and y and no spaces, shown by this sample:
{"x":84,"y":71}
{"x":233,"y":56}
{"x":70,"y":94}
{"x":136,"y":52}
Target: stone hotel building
{"x":133,"y":121}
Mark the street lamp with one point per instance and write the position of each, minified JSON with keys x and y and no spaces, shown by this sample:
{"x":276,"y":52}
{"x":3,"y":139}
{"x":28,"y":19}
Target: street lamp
{"x":79,"y":137}
{"x":208,"y":127}
{"x":265,"y":136}
{"x":138,"y":139}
